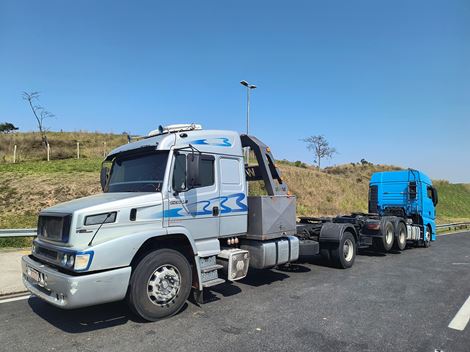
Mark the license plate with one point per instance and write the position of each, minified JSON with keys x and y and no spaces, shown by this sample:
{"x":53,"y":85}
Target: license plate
{"x":33,"y":274}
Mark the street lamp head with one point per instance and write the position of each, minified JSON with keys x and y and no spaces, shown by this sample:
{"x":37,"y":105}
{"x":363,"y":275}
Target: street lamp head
{"x":244,"y":83}
{"x":252,"y":86}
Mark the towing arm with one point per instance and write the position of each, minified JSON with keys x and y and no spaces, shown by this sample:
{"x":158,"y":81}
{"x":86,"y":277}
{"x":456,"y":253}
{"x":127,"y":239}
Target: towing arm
{"x":266,"y":169}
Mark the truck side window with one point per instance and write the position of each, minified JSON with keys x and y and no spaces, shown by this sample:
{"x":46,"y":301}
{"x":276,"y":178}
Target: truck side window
{"x":429,"y":192}
{"x":206,"y":171}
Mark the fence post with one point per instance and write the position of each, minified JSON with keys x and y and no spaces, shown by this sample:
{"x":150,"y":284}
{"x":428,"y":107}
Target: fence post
{"x":48,"y":152}
{"x":14,"y":154}
{"x":78,"y":150}
{"x":104,"y":149}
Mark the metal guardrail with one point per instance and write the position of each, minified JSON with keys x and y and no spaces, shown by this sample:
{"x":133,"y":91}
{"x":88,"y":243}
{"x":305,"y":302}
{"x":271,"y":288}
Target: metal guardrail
{"x":18,"y":233}
{"x":454,"y":226}
{"x":4,"y":233}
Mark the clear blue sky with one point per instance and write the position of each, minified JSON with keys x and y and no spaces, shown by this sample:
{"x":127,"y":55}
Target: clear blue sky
{"x":388,"y":81}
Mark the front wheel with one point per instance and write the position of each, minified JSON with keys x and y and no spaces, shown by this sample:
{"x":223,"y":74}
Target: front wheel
{"x":344,"y":254}
{"x":427,"y":238}
{"x":160,"y":284}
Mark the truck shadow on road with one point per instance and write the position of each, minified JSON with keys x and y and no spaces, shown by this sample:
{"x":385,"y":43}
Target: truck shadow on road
{"x":109,"y":315}
{"x":84,"y":319}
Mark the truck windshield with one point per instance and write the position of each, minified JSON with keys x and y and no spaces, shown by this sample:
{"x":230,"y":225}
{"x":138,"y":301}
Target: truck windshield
{"x":137,"y":173}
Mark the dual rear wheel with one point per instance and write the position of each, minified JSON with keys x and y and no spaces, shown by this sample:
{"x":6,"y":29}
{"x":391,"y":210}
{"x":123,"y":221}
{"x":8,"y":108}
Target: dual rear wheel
{"x":400,"y":240}
{"x":386,"y":242}
{"x":343,"y":254}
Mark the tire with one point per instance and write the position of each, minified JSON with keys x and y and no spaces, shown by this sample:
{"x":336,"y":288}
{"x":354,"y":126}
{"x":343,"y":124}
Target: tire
{"x":160,"y":284}
{"x":427,"y":238}
{"x":400,"y":240}
{"x":343,"y":255}
{"x":388,"y":236}
{"x":325,"y":251}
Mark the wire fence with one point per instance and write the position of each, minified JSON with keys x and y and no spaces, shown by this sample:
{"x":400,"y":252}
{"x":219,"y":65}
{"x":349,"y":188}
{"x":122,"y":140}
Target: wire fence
{"x":20,"y":147}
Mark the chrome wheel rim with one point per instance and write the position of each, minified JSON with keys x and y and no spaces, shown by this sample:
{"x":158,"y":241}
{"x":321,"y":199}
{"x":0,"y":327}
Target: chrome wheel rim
{"x":348,"y":250}
{"x":389,"y":236}
{"x":164,"y":285}
{"x":428,"y":235}
{"x":402,"y":237}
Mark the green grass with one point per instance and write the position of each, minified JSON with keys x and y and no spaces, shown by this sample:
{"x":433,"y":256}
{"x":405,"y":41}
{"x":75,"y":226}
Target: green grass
{"x":63,"y":145}
{"x":454,"y":201}
{"x":29,"y":186}
{"x":66,"y":166}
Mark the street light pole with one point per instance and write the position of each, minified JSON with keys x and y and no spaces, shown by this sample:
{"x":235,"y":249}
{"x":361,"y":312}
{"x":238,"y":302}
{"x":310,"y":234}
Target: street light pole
{"x":249,"y":87}
{"x":248,"y":110}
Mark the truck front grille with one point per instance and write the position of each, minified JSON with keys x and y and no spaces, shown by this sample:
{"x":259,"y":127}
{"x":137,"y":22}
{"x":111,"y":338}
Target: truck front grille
{"x":48,"y":253}
{"x":54,"y":227}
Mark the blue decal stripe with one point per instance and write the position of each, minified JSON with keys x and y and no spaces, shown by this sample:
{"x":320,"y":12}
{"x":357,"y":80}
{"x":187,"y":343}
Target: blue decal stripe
{"x":217,"y":142}
{"x":242,"y":207}
{"x":223,"y":208}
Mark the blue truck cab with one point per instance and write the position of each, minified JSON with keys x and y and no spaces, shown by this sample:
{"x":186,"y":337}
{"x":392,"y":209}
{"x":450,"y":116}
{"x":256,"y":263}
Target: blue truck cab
{"x":407,"y":194}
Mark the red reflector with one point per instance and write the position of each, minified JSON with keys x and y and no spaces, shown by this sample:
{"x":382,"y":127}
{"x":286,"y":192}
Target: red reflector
{"x":373,"y":226}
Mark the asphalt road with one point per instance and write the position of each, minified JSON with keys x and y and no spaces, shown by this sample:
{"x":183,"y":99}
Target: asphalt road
{"x":393,"y":302}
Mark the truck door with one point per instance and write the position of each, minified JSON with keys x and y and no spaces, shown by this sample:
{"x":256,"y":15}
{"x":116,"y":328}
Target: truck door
{"x":196,"y":209}
{"x":233,"y":209}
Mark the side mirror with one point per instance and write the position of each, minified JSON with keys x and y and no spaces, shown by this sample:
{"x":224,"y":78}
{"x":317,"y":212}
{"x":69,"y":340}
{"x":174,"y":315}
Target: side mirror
{"x":193,"y":163}
{"x":103,"y":177}
{"x":412,"y":189}
{"x":435,"y":197}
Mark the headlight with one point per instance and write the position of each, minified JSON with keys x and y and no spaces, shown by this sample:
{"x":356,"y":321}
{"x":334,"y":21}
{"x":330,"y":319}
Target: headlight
{"x":64,"y":259}
{"x":100,"y":218}
{"x":71,"y":261}
{"x":67,"y":260}
{"x":83,"y":260}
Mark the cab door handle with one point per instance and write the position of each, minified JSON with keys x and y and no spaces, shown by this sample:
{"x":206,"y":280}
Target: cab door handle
{"x":215,"y":211}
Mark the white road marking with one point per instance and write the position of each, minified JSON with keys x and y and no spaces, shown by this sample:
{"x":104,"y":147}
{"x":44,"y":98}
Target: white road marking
{"x":6,"y":300}
{"x":462,"y":317}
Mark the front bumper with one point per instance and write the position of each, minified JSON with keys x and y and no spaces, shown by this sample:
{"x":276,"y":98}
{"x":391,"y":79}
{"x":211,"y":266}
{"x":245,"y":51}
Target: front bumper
{"x":67,"y":291}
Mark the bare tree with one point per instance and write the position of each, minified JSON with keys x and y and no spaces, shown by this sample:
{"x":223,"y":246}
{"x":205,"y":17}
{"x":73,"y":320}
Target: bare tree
{"x":39,"y":113}
{"x":320,"y":148}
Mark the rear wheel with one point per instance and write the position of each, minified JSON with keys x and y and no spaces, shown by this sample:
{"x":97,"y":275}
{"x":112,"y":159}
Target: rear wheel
{"x":386,"y":242}
{"x":400,"y":242}
{"x":344,"y":254}
{"x":160,"y":284}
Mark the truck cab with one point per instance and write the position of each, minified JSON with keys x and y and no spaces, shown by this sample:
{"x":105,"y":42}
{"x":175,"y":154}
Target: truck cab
{"x":407,"y":194}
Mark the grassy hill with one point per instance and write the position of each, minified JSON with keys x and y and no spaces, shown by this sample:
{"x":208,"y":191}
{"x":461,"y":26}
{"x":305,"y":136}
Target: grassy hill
{"x":29,"y":186}
{"x":63,"y":145}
